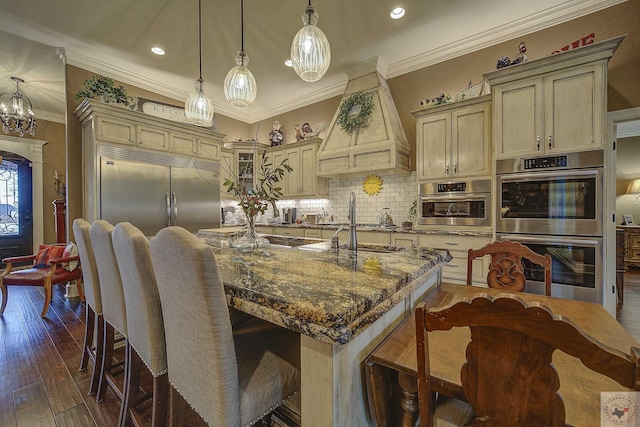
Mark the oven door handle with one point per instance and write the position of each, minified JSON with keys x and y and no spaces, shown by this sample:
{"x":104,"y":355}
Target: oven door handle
{"x":544,"y":175}
{"x":549,"y":241}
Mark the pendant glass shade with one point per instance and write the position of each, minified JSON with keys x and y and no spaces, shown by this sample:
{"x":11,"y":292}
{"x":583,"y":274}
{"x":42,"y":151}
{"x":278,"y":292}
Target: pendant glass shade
{"x":198,"y":107}
{"x":310,"y":50}
{"x":240,"y":87}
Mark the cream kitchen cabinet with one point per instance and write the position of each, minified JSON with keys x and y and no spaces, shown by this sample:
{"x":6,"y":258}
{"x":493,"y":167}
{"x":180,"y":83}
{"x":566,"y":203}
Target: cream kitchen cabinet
{"x":372,"y":237}
{"x":454,"y":140}
{"x":553,"y":105}
{"x":288,"y":231}
{"x":302,"y":182}
{"x":458,"y":246}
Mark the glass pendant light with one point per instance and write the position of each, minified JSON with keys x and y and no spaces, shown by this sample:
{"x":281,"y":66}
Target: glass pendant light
{"x":198,"y":107}
{"x":240,"y":87}
{"x":310,"y":51}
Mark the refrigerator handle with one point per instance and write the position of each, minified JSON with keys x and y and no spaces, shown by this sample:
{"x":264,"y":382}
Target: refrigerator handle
{"x":168,"y":204}
{"x":175,"y":209}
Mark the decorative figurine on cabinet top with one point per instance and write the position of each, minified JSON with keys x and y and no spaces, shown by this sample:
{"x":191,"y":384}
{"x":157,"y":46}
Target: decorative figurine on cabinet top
{"x":276,"y":136}
{"x":504,"y":61}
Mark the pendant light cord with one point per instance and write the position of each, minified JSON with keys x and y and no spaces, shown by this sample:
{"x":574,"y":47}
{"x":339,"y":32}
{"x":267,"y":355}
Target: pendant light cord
{"x":242,"y":25}
{"x":309,"y":13}
{"x":200,"y":36}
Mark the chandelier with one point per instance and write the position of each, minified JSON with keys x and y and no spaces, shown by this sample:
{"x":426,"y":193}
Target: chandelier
{"x":240,"y":85}
{"x":310,"y":50}
{"x":198,"y":107}
{"x":16,"y":112}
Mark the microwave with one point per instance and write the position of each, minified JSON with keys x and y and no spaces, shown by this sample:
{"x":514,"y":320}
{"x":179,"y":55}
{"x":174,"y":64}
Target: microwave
{"x":455,"y":203}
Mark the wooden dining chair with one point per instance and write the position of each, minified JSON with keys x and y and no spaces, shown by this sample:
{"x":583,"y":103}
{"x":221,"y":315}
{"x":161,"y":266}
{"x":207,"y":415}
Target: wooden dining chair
{"x":508,"y":377}
{"x":49,"y":266}
{"x":231,"y":376}
{"x":506,"y":270}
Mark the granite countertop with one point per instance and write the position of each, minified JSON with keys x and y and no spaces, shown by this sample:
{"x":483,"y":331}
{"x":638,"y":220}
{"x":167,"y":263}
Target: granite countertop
{"x":311,"y":290}
{"x":393,"y":229}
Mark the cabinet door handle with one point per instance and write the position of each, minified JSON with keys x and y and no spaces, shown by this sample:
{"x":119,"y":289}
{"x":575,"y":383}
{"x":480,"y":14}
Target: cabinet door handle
{"x":451,"y":243}
{"x":453,"y":265}
{"x":446,"y":169}
{"x":550,"y":142}
{"x":455,"y":168}
{"x":538,"y":143}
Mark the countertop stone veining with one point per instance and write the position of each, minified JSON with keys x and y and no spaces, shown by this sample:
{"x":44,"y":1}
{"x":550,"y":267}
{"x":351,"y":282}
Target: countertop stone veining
{"x":330,"y":297}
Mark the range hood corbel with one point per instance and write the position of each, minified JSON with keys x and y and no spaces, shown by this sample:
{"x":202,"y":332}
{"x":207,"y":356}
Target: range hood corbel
{"x":380,"y":147}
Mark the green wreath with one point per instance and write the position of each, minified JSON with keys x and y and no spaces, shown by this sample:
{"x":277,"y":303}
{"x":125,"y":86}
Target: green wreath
{"x":355,"y":111}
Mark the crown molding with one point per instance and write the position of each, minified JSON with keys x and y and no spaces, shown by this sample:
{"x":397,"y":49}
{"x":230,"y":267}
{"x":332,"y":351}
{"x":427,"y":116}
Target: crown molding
{"x":167,"y":84}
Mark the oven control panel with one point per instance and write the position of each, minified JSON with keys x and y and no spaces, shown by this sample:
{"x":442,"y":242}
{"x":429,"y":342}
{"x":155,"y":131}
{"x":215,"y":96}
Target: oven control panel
{"x":449,"y":187}
{"x":545,"y":162}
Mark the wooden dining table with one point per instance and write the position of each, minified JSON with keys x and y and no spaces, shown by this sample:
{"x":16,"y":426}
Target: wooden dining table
{"x":391,"y":369}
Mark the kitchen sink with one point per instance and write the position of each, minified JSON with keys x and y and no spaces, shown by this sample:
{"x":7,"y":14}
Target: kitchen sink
{"x":365,"y":247}
{"x":291,"y":241}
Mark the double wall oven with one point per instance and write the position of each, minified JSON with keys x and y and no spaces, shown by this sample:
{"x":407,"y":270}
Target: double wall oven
{"x":554,"y":205}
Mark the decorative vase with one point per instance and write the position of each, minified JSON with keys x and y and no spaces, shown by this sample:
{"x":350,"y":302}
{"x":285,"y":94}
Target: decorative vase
{"x":250,"y":240}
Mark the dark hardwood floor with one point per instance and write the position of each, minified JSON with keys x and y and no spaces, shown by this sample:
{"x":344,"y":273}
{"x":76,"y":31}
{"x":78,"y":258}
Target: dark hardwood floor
{"x":40,"y":384}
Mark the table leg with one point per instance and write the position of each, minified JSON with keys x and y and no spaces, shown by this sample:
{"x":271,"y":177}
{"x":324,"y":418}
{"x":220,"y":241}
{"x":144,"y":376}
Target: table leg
{"x":409,"y":400}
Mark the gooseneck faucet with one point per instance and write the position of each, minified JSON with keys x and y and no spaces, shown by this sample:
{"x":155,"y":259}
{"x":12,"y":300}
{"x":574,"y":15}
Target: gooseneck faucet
{"x":352,"y":242}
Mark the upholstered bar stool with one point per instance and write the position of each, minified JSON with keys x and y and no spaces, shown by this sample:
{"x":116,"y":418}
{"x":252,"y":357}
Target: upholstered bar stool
{"x":229,"y":376}
{"x":113,"y":308}
{"x":145,"y":328}
{"x":93,"y":304}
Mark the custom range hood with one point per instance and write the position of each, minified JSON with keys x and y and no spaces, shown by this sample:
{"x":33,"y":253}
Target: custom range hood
{"x":380,"y":145}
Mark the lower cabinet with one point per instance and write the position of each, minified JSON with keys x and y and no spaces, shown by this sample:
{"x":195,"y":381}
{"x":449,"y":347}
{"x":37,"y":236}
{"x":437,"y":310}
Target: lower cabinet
{"x":288,"y":231}
{"x":458,"y":246}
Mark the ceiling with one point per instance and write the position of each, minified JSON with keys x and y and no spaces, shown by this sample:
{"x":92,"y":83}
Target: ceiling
{"x":114,"y":38}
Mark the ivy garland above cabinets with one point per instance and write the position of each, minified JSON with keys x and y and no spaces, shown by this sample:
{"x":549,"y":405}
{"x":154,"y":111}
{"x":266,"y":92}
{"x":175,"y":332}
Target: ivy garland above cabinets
{"x":355,"y":111}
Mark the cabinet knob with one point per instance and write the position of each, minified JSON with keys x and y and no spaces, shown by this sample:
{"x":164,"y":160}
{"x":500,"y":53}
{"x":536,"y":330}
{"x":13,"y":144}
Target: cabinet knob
{"x":538,"y":143}
{"x":446,"y":169}
{"x":550,"y":142}
{"x":455,"y":168}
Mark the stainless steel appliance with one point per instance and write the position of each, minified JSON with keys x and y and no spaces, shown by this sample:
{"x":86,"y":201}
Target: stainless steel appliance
{"x":153,"y":191}
{"x":576,"y":265}
{"x":559,"y":195}
{"x":289,"y":215}
{"x":554,"y":205}
{"x":455,"y":203}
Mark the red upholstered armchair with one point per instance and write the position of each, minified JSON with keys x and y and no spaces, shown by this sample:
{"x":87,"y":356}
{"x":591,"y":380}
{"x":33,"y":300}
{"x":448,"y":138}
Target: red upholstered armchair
{"x":52,"y":265}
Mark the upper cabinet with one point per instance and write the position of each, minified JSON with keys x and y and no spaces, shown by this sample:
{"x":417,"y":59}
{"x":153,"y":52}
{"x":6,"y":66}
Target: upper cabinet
{"x":454,"y":140}
{"x":552,"y":105}
{"x":110,"y":125}
{"x":302,"y":182}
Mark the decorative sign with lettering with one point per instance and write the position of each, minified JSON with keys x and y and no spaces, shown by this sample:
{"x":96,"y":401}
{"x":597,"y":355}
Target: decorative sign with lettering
{"x":166,"y":111}
{"x":578,"y":43}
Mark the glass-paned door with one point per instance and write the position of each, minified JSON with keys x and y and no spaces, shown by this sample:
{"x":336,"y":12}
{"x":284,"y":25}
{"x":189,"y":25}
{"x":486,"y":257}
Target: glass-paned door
{"x":16,"y":223}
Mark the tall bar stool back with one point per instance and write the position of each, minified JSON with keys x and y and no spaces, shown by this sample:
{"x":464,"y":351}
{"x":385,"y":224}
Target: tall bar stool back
{"x":230,"y":377}
{"x":93,"y":308}
{"x":113,"y":307}
{"x":145,"y":327}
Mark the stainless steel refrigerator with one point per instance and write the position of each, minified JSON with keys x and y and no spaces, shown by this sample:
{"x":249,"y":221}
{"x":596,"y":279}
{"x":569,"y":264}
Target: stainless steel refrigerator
{"x":155,"y":191}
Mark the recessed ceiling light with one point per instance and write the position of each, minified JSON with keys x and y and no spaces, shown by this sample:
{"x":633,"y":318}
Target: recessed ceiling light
{"x":397,"y":13}
{"x":157,"y":50}
{"x":288,"y":63}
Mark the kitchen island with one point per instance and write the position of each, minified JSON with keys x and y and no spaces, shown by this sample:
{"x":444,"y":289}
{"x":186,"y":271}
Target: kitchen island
{"x":343,"y":307}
